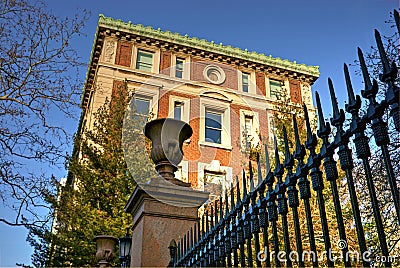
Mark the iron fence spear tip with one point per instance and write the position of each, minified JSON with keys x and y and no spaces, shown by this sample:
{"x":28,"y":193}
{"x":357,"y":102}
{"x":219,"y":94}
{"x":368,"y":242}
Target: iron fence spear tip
{"x":267,"y":164}
{"x":382,"y":53}
{"x":285,"y":139}
{"x":244,"y":182}
{"x":277,"y":160}
{"x":364,"y":69}
{"x":333,"y":99}
{"x":296,"y":132}
{"x":251,"y":177}
{"x":308,"y":126}
{"x":397,"y":19}
{"x":349,"y":86}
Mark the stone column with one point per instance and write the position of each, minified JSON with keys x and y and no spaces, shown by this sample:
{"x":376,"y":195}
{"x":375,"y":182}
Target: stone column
{"x":156,"y":223}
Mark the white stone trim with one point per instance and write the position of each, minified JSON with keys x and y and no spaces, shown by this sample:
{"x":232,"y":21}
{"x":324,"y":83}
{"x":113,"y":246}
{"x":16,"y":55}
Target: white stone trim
{"x":185,"y":108}
{"x":224,"y":109}
{"x":156,"y":57}
{"x":252,"y":83}
{"x":186,"y":65}
{"x":255,"y":127}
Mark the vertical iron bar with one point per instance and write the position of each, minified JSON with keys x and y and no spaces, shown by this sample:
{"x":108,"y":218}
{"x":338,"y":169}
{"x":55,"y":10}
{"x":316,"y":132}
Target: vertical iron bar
{"x":331,"y":175}
{"x":240,"y":233}
{"x":280,"y":190}
{"x":293,"y":198}
{"x":227,"y":235}
{"x":222,"y":253}
{"x":379,"y":129}
{"x":346,"y":163}
{"x":273,"y":215}
{"x":389,"y":76}
{"x":255,"y":227}
{"x":317,"y":183}
{"x":262,"y":204}
{"x":363,"y":152}
{"x":305,"y":192}
{"x":246,"y":221}
{"x":233,"y":215}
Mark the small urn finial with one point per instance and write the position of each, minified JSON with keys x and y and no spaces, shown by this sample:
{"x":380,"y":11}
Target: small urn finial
{"x":167,"y":136}
{"x":105,"y":249}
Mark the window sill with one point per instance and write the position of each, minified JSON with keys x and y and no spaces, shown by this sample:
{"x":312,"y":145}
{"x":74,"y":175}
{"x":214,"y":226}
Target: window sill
{"x":215,"y":145}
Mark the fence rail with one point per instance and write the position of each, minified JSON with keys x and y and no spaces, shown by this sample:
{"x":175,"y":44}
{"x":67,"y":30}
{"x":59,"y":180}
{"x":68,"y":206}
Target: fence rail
{"x":241,"y":224}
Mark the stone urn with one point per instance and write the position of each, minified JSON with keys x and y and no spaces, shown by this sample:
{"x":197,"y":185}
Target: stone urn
{"x":167,"y":136}
{"x":105,"y":249}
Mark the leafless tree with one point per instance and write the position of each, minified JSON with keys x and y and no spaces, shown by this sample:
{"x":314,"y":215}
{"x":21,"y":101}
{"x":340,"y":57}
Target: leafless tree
{"x":39,"y":87}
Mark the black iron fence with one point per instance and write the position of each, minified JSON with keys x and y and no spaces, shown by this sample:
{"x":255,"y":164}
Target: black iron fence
{"x":241,"y":229}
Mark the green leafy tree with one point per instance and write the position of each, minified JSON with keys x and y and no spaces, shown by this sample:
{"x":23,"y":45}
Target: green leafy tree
{"x":94,"y":203}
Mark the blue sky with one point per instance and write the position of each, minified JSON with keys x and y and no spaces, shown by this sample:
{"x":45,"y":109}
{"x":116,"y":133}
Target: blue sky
{"x":314,"y":32}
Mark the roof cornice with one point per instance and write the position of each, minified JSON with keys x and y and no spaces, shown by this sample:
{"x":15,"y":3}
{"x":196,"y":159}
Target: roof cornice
{"x":202,"y":44}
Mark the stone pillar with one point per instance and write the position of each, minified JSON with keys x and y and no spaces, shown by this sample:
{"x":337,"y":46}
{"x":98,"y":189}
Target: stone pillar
{"x":163,"y":208}
{"x":156,"y":223}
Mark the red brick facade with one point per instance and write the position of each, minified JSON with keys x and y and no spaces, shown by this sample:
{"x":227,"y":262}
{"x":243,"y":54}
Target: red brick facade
{"x":295,"y":91}
{"x":196,"y":74}
{"x":165,"y":62}
{"x":260,"y":83}
{"x":124,"y":53}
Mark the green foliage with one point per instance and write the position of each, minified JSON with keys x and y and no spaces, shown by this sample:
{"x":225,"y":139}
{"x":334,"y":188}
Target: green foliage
{"x":94,"y":204}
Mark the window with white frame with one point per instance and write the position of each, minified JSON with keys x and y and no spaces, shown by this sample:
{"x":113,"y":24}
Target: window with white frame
{"x":213,"y":126}
{"x":179,"y":63}
{"x":248,"y":125}
{"x":275,"y":89}
{"x":249,"y":128}
{"x":144,"y":60}
{"x":179,"y":108}
{"x":215,"y":123}
{"x":141,"y":107}
{"x":214,"y":183}
{"x":245,"y":82}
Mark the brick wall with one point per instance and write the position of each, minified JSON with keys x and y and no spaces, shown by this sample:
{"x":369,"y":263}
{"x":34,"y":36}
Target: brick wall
{"x":295,"y":91}
{"x":197,"y":68}
{"x":260,"y":83}
{"x":124,"y":54}
{"x":165,"y":62}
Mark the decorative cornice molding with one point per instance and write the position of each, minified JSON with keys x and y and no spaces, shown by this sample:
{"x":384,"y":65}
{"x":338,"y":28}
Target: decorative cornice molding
{"x":190,"y":45}
{"x":202,"y":44}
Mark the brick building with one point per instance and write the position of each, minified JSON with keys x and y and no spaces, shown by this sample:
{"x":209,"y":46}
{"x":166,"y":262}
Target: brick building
{"x":226,"y":94}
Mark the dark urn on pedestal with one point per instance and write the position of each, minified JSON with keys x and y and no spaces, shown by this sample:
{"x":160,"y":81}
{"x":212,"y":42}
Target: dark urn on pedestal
{"x":167,"y":136}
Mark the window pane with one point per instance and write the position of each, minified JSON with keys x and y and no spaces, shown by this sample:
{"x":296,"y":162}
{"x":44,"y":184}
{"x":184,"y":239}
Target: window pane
{"x":142,"y":106}
{"x":213,"y":183}
{"x":275,"y":89}
{"x":144,"y":61}
{"x":213,"y":135}
{"x":213,"y":120}
{"x":178,"y":110}
{"x":245,"y":82}
{"x":145,"y":57}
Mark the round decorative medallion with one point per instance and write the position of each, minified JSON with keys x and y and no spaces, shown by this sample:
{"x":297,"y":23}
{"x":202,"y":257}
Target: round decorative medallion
{"x":214,"y":74}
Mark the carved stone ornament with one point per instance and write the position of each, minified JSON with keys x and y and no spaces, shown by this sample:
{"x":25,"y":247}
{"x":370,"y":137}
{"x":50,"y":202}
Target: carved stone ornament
{"x":214,"y":74}
{"x":109,"y":50}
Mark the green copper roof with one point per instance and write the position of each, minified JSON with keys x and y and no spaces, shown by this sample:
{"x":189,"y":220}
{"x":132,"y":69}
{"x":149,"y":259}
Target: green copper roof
{"x":203,"y":44}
